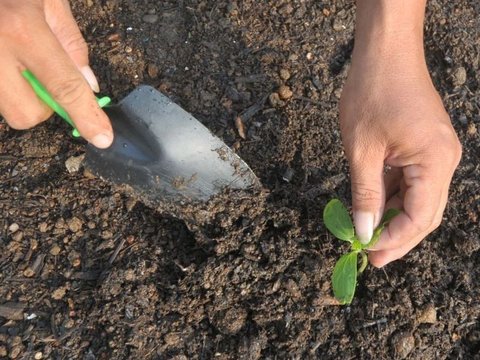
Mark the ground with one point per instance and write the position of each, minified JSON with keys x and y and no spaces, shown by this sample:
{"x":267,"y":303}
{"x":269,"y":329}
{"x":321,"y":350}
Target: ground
{"x":88,"y":272}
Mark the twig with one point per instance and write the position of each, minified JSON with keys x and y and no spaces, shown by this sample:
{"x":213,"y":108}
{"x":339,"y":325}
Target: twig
{"x":117,"y":250}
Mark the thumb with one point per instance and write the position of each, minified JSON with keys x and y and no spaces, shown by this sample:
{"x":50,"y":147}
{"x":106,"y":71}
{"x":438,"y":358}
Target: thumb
{"x":368,"y":192}
{"x":63,"y":25}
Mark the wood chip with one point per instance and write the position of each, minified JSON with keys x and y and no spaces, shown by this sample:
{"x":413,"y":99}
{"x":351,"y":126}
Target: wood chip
{"x":12,"y":310}
{"x":240,"y":127}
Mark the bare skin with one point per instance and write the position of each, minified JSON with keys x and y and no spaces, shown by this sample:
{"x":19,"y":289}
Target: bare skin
{"x":42,"y":36}
{"x":391,"y":114}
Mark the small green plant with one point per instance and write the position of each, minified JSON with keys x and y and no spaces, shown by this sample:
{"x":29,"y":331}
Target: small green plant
{"x":338,"y":222}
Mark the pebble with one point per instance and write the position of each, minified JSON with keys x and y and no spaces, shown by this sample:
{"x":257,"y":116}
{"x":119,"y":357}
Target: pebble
{"x":74,"y":163}
{"x":338,"y":24}
{"x":18,"y":236}
{"x":463,"y":119}
{"x":427,"y":315}
{"x":13,"y":228}
{"x":285,"y":92}
{"x":59,"y":293}
{"x":403,"y":344}
{"x":152,"y":70}
{"x":285,"y":74}
{"x":288,"y":175}
{"x":150,"y":18}
{"x":43,"y":227}
{"x":459,"y":76}
{"x":29,"y":272}
{"x":275,"y":100}
{"x":472,"y":129}
{"x":38,"y":355}
{"x":74,"y":224}
{"x":55,"y":250}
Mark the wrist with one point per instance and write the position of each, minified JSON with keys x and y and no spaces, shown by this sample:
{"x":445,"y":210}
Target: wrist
{"x":389,"y":34}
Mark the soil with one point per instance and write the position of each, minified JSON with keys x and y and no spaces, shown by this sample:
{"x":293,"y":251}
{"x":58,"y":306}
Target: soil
{"x":89,"y":272}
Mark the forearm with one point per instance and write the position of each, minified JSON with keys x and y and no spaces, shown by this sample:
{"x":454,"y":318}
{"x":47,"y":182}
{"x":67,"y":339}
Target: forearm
{"x":390,"y":32}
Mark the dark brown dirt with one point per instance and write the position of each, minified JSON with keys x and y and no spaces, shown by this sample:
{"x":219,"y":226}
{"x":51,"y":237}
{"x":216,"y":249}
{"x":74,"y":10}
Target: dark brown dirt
{"x":254,"y":282}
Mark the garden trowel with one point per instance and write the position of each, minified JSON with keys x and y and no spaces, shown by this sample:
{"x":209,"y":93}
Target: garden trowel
{"x":160,"y":150}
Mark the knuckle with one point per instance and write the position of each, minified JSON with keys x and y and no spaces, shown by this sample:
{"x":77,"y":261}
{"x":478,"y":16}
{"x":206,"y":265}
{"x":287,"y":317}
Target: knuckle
{"x":21,"y":121}
{"x":363,"y":192}
{"x":14,"y":26}
{"x":76,"y":43}
{"x":24,"y":121}
{"x":67,"y":91}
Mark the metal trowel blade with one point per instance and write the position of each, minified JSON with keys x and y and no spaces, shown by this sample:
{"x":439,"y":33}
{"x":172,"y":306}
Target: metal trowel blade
{"x":164,"y":153}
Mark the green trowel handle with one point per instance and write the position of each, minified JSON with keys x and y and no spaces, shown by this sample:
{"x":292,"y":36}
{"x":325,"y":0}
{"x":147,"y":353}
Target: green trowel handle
{"x":45,"y":96}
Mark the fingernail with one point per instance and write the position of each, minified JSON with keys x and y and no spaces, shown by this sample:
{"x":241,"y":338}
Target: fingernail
{"x":90,"y":77}
{"x":364,"y":223}
{"x":102,"y":141}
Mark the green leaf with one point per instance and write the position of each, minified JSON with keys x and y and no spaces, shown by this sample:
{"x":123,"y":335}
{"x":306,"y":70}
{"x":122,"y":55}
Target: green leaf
{"x":337,"y":220}
{"x":344,"y":278}
{"x":387,"y":217}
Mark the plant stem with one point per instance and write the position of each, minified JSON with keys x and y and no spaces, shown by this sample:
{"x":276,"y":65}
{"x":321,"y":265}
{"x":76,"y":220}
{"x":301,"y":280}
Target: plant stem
{"x":364,"y":262}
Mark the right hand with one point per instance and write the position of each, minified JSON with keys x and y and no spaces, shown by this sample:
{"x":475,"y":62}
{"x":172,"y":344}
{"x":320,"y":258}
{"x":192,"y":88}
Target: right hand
{"x":43,"y":37}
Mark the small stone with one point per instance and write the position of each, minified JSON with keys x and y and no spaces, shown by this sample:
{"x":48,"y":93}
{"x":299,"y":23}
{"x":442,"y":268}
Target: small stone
{"x":286,"y":10}
{"x":28,"y":272}
{"x":18,"y":236}
{"x":43,"y":227}
{"x":463,"y":119}
{"x":59,"y":293}
{"x":13,"y":228}
{"x":74,"y":163}
{"x":150,"y":18}
{"x":38,"y":355}
{"x":288,"y":174}
{"x":114,"y":37}
{"x":403,"y":344}
{"x":128,"y":49}
{"x":338,"y":92}
{"x":74,"y":224}
{"x":232,"y":321}
{"x":88,"y":174}
{"x":284,"y":92}
{"x":338,"y":24}
{"x":285,"y":74}
{"x":16,"y":350}
{"x":55,"y":250}
{"x":106,"y":235}
{"x":152,"y":70}
{"x":472,"y":129}
{"x":459,"y":76}
{"x":309,"y":56}
{"x":74,"y":258}
{"x":428,"y":315}
{"x":275,"y":101}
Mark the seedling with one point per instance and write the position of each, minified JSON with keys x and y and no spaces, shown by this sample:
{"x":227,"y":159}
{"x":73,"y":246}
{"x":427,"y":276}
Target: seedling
{"x":338,"y":222}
